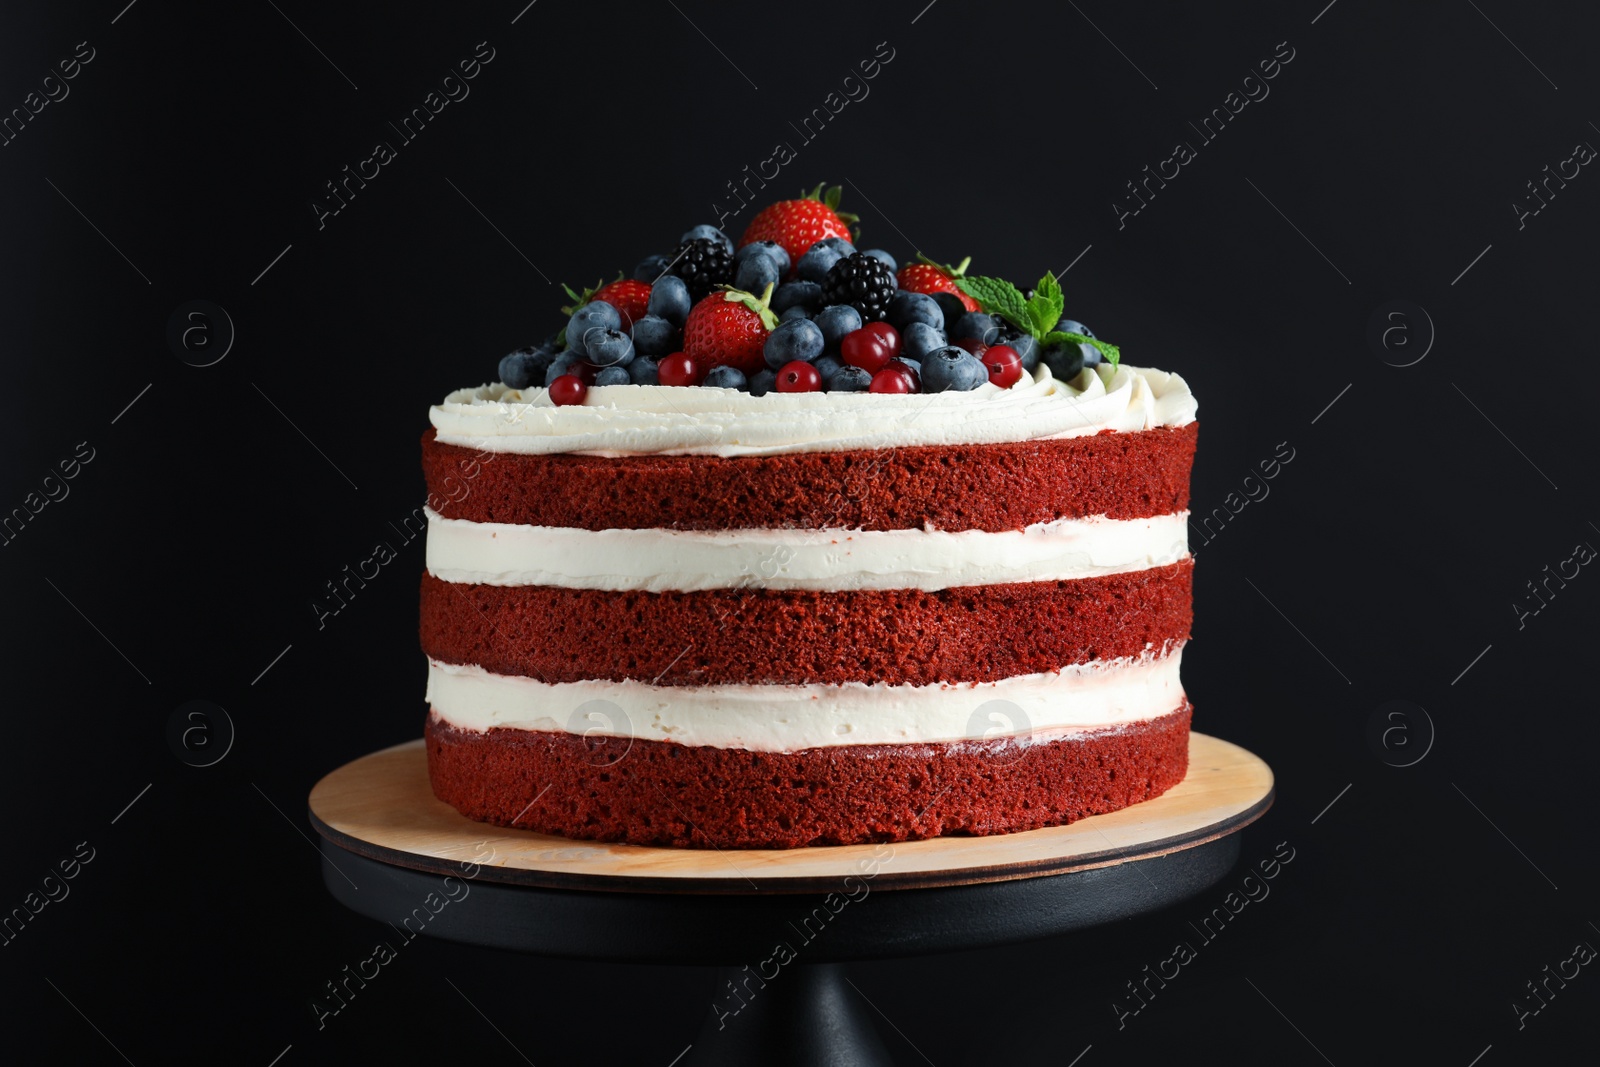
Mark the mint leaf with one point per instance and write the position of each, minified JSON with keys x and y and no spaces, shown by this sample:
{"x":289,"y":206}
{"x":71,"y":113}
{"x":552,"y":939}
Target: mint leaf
{"x":998,"y":297}
{"x":1046,"y":305}
{"x":1112,"y":354}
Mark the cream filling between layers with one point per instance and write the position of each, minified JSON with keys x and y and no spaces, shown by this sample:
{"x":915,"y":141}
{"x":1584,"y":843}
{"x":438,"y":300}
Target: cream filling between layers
{"x":618,"y":420}
{"x":655,"y":560}
{"x":788,"y":718}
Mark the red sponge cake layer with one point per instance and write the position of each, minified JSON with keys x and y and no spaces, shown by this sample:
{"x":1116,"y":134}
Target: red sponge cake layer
{"x":962,"y":487}
{"x":794,"y":637}
{"x":664,"y":793}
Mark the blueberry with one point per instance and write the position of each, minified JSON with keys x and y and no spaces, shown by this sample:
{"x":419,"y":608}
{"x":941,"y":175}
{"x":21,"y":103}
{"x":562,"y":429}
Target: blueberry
{"x":521,"y":368}
{"x":918,"y":339}
{"x":608,"y":348}
{"x":596,"y":314}
{"x":1091,"y":354}
{"x":642,"y":371}
{"x":836,"y":321}
{"x":912,"y":365}
{"x":952,"y":368}
{"x":706,"y":230}
{"x":977,"y":326}
{"x":827,"y":366}
{"x":755,"y":273}
{"x":797,"y":294}
{"x":724,"y":377}
{"x":797,"y":339}
{"x":763,"y":382}
{"x":613,"y":376}
{"x":563,"y":363}
{"x":907,"y":308}
{"x":654,"y":336}
{"x":650,"y":267}
{"x":880,"y":254}
{"x":951,"y":305}
{"x":841,"y":244}
{"x":818,"y":260}
{"x":796,"y":312}
{"x":1027,"y":347}
{"x":848,"y":380}
{"x":1073,"y":326}
{"x":771,"y":249}
{"x":669,"y":299}
{"x":1065,"y":360}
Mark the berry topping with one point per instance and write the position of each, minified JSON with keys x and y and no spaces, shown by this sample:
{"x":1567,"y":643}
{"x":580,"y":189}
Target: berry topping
{"x":926,"y":276}
{"x":650,"y":267}
{"x":848,"y":380}
{"x":631,"y":299}
{"x":613,"y":376}
{"x":907,"y":308}
{"x":729,"y":329}
{"x":862,"y":282}
{"x":972,"y":344}
{"x":865,"y":350}
{"x":797,"y":294}
{"x":918,"y":339}
{"x":654,"y":335}
{"x":1005,"y":366}
{"x":797,"y":339}
{"x":703,"y":264}
{"x":569,"y":362}
{"x":892,"y":380}
{"x":669,"y":299}
{"x":799,"y":224}
{"x":978,"y":326}
{"x":882,"y":257}
{"x":885,"y":333}
{"x":594,"y":315}
{"x":1073,"y":326}
{"x":644,"y":371}
{"x":678,"y":369}
{"x":798,"y":377}
{"x":608,"y":348}
{"x":836,"y":322}
{"x":763,"y":382}
{"x":819,"y":259}
{"x":724,"y":377}
{"x":568,"y":389}
{"x":952,"y":368}
{"x":707,"y":232}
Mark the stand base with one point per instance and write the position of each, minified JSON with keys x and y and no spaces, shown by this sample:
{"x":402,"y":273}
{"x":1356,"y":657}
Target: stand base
{"x":807,"y":1016}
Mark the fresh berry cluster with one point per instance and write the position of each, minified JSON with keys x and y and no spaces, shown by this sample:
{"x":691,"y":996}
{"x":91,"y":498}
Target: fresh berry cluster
{"x":795,"y":308}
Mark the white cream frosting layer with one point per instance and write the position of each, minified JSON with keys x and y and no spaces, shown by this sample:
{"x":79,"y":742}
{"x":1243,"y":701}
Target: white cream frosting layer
{"x":494,"y":553}
{"x":788,"y":718}
{"x":618,"y":420}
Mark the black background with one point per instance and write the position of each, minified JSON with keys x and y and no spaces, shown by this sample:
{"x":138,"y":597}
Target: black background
{"x":1387,"y":157}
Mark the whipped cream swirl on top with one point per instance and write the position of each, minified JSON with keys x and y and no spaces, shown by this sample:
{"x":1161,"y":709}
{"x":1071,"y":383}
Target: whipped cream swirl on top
{"x":621,"y":420}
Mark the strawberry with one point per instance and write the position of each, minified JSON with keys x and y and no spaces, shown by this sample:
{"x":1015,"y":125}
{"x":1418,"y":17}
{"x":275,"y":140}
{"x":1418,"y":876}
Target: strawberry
{"x":630,"y":298}
{"x":926,"y":276}
{"x":799,"y":224}
{"x":729,"y":328}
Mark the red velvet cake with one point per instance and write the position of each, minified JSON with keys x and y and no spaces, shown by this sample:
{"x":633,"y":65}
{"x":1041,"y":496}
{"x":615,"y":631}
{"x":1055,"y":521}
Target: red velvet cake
{"x":887,"y":588}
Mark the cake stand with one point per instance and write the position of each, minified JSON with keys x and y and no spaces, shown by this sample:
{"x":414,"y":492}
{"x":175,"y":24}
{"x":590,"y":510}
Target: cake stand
{"x":778,"y":922}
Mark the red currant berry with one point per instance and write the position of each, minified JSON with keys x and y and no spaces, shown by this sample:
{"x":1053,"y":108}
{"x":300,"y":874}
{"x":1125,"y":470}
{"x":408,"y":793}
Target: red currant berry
{"x":1005,"y":365}
{"x":678,"y":369}
{"x":798,"y":376}
{"x":568,"y":389}
{"x":583,"y":372}
{"x":904,"y":367}
{"x":973,"y":345}
{"x":885,"y":333}
{"x":892,"y":380}
{"x":865,"y":349}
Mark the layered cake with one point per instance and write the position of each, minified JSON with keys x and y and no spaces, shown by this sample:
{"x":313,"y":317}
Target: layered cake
{"x":787,"y":545}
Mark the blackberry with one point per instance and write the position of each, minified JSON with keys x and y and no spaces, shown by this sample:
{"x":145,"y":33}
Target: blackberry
{"x":862,"y":281}
{"x":703,"y":263}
